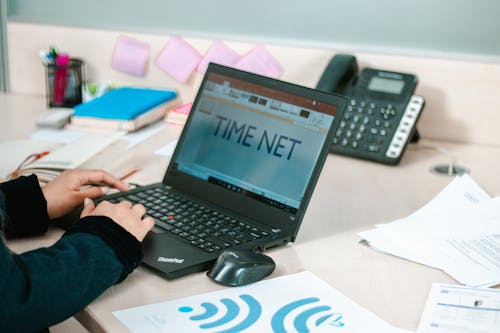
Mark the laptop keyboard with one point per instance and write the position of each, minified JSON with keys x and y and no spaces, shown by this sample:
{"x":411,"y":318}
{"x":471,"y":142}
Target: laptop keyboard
{"x":200,"y":226}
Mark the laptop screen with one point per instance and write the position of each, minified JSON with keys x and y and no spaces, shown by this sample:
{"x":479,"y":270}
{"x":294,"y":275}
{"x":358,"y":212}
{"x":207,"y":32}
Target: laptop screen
{"x":254,"y":140}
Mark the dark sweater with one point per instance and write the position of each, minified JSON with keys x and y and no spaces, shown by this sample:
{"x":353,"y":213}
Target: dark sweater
{"x":43,"y":287}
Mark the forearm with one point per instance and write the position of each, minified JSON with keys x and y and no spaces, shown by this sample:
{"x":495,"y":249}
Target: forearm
{"x":51,"y":284}
{"x":47,"y":285}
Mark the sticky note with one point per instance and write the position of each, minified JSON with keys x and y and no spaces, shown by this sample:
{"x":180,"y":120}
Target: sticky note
{"x":183,"y":109}
{"x":178,"y":59}
{"x":219,"y":53}
{"x":178,"y":115}
{"x":260,"y":61}
{"x":130,"y":56}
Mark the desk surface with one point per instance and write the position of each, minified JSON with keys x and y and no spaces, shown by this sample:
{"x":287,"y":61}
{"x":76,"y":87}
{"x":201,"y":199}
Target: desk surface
{"x":351,"y":196}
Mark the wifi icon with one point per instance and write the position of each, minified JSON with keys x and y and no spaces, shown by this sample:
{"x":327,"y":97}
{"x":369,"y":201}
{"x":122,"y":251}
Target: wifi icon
{"x":306,"y":315}
{"x":232,"y":311}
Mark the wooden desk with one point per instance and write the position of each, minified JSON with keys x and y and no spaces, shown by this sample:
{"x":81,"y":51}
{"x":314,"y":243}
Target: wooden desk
{"x":351,"y":196}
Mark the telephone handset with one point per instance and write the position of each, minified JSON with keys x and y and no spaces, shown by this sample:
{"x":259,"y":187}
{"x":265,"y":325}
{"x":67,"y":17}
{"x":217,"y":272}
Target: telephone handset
{"x":382,"y":112}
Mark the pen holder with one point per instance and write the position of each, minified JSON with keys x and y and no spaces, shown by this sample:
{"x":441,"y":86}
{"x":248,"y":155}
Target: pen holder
{"x":64,"y":83}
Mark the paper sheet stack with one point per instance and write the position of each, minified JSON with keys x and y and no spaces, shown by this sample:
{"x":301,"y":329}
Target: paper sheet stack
{"x":457,"y":232}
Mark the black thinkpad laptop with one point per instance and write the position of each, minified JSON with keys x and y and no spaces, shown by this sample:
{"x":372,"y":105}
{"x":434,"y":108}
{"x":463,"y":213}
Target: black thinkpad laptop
{"x":242,"y":173}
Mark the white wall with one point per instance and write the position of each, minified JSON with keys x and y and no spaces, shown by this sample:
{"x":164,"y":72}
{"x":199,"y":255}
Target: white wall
{"x":468,"y":28}
{"x":463,"y":99}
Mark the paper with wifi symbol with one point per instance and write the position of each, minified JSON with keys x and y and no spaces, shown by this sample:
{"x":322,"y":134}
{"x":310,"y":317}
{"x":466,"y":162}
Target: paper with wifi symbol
{"x":295,"y":303}
{"x":232,"y":310}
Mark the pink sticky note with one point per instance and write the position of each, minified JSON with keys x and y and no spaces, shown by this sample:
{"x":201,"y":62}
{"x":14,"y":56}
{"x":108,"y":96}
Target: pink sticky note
{"x":219,"y":53}
{"x":179,"y":115}
{"x":184,"y":109}
{"x":130,"y":56}
{"x":178,"y":59}
{"x":260,"y":61}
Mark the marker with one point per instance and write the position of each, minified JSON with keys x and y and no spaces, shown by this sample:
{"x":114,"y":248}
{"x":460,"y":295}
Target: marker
{"x":62,"y":60}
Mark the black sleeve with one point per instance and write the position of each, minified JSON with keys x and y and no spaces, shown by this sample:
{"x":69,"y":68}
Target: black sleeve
{"x":43,"y":287}
{"x":127,"y":248}
{"x":25,"y":207}
{"x":51,"y":284}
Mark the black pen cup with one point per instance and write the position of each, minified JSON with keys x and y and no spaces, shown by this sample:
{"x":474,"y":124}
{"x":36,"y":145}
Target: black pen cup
{"x":64,"y":83}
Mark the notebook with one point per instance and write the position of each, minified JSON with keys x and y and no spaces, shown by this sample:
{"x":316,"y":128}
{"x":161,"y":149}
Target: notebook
{"x":242,"y":173}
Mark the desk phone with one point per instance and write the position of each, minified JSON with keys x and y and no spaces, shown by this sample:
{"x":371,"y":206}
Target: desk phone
{"x":382,"y":113}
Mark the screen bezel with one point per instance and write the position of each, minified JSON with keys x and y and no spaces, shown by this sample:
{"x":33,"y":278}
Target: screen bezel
{"x":234,"y":202}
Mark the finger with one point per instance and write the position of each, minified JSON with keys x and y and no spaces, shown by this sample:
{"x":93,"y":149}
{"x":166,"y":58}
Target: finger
{"x":126,"y":204}
{"x":88,"y":207}
{"x":148,"y":223}
{"x":101,"y":176}
{"x":92,"y":192}
{"x":139,"y":210}
{"x":106,"y":205}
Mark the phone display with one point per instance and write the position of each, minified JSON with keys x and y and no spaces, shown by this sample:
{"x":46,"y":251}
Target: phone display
{"x":390,"y":86}
{"x":382,"y":112}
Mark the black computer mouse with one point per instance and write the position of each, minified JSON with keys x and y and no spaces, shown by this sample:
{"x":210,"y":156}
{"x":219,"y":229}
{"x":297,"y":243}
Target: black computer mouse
{"x":239,"y":267}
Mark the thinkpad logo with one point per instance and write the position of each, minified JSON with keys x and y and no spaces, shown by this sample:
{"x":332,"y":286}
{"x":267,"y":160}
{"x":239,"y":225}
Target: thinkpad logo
{"x":171,"y":260}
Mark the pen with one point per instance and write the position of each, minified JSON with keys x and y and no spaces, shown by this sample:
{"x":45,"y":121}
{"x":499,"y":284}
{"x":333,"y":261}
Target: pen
{"x":53,"y":52}
{"x":47,"y":58}
{"x":128,"y":174}
{"x":122,"y":178}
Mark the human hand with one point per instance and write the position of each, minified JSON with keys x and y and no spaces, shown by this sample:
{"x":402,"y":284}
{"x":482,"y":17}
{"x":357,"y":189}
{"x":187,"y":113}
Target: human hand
{"x":69,"y":189}
{"x":130,"y":217}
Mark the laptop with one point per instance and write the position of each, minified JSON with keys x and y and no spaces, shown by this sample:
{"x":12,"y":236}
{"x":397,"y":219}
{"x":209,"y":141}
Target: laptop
{"x":242,"y":173}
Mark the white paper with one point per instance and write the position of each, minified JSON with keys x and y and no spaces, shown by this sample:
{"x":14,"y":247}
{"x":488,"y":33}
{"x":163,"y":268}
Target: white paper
{"x":134,"y":138}
{"x":456,"y":232}
{"x":60,"y":136}
{"x":14,"y":152}
{"x":409,"y":237}
{"x":77,"y":152}
{"x":294,"y":303}
{"x":167,"y":150}
{"x":474,"y":256}
{"x":457,"y":309}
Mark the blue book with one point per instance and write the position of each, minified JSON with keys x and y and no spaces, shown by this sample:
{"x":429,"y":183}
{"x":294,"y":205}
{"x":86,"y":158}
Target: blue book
{"x":125,"y":109}
{"x":124,"y":103}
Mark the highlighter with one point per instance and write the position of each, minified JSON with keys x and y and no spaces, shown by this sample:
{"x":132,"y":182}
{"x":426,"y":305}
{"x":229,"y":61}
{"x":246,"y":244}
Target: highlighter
{"x":62,"y":60}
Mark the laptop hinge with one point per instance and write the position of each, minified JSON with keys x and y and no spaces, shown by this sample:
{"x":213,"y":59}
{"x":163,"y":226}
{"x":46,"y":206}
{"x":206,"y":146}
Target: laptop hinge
{"x":274,"y":243}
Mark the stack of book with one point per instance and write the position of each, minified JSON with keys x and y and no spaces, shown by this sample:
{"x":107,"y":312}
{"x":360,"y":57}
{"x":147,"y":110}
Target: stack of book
{"x":124,"y":109}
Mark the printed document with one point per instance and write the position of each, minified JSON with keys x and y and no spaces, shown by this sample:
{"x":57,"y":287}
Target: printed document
{"x":457,"y":232}
{"x":458,"y":309}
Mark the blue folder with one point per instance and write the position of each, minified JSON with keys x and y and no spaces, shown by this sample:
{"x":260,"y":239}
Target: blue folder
{"x":124,"y":103}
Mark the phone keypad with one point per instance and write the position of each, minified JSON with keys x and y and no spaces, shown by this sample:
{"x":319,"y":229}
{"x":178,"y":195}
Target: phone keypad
{"x":376,"y":130}
{"x":366,"y":125}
